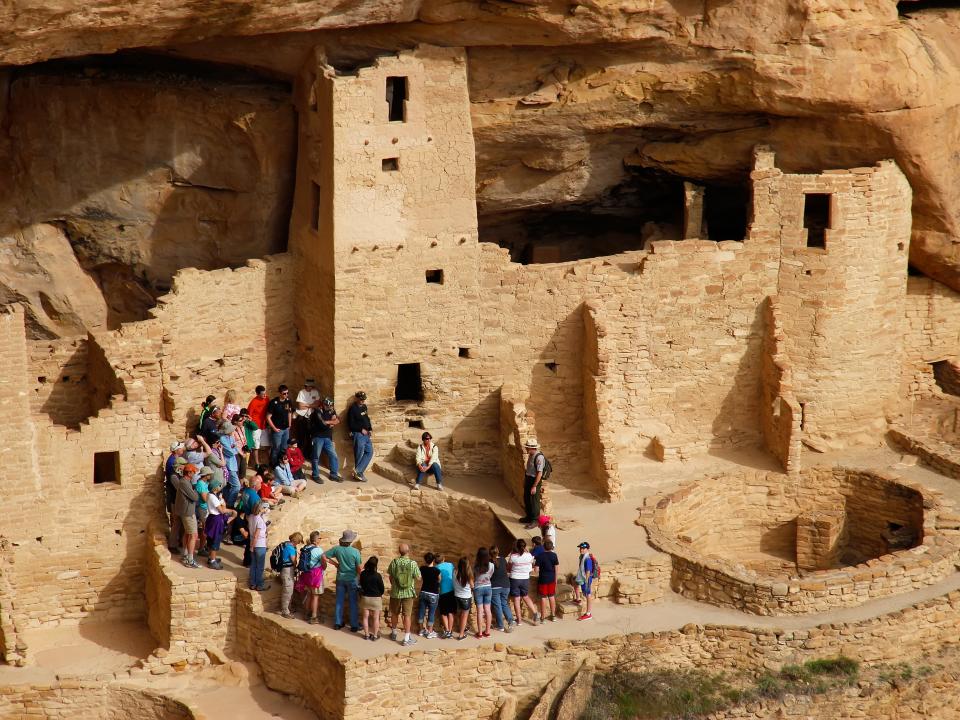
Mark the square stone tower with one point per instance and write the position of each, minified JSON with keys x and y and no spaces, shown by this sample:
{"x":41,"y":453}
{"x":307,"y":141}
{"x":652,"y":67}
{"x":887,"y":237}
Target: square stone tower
{"x":384,"y":236}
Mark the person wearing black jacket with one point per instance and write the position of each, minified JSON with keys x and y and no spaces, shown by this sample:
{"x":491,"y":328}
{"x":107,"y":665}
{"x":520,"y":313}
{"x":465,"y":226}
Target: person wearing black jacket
{"x":358,"y":421}
{"x":322,"y":422}
{"x":371,"y":598}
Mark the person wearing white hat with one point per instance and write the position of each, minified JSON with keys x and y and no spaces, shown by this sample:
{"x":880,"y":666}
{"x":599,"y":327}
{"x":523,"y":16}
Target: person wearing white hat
{"x":533,"y":483}
{"x":308,"y":400}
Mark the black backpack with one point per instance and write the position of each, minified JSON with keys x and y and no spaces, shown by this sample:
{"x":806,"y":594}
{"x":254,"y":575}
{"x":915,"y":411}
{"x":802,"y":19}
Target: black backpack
{"x":547,"y":467}
{"x":276,"y":558}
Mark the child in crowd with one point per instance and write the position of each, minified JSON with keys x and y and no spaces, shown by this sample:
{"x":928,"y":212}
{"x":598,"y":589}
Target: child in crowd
{"x":257,"y":527}
{"x":429,"y":595}
{"x":266,"y":490}
{"x":447,"y":603}
{"x":463,"y":591}
{"x":483,"y":591}
{"x":519,"y":566}
{"x":283,"y":476}
{"x":500,"y":584}
{"x":584,"y":580}
{"x":251,"y":436}
{"x":537,"y":548}
{"x":548,"y":531}
{"x":230,"y":407}
{"x":546,"y":564}
{"x":371,"y":598}
{"x":310,"y":581}
{"x":288,"y":567}
{"x":296,"y":460}
{"x":219,"y":516}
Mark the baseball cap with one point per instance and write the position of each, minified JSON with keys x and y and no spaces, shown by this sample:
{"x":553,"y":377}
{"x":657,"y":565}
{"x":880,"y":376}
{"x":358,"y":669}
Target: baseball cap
{"x":584,"y":545}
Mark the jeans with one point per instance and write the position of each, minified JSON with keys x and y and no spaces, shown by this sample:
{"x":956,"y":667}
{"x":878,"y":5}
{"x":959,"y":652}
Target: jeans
{"x":428,"y":608}
{"x":259,"y":556}
{"x":232,"y":488}
{"x":482,"y":595}
{"x":531,"y":503}
{"x":349,"y":589}
{"x":501,"y":607}
{"x":286,"y":595}
{"x":362,"y":452}
{"x":278,"y":445}
{"x":324,"y":445}
{"x":435,"y":469}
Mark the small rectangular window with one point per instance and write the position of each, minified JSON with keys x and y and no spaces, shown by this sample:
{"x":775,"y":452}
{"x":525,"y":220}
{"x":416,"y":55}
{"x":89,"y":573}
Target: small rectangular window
{"x":816,"y":218}
{"x":415,"y":424}
{"x":397,"y":99}
{"x":464,"y":352}
{"x":435,"y":276}
{"x":314,"y":206}
{"x":106,"y":468}
{"x":390,"y":164}
{"x":409,"y":383}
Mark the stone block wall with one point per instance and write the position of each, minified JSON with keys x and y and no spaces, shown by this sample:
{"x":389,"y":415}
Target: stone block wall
{"x":226,"y":329}
{"x":820,"y":539}
{"x":635,"y":581}
{"x":780,"y":412}
{"x":90,"y":699}
{"x":932,"y":333}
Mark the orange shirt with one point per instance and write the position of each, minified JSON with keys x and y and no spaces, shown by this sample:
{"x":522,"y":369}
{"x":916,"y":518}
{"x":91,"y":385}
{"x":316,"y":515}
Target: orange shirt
{"x":258,"y":410}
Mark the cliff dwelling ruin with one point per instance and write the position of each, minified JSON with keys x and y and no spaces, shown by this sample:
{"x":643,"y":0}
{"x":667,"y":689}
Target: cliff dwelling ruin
{"x":707,"y":256}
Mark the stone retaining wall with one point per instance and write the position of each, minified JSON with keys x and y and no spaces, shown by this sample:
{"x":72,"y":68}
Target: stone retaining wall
{"x":938,"y":454}
{"x":90,"y":699}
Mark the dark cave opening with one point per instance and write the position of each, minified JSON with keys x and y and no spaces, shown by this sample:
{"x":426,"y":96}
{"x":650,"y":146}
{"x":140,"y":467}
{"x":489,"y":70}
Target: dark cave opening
{"x":907,"y":7}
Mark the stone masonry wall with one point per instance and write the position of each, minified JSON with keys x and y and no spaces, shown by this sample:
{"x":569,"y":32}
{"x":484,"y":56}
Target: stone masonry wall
{"x":89,"y":699}
{"x":932,"y":313}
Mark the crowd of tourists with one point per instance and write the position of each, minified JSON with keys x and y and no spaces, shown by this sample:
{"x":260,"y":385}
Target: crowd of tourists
{"x":223,"y":480}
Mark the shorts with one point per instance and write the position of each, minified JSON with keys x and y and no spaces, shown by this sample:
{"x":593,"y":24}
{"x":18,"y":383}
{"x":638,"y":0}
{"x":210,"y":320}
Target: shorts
{"x":189,"y":523}
{"x":202,"y":516}
{"x":263,"y":440}
{"x":483,"y":595}
{"x":519,"y":588}
{"x":463,"y":604}
{"x":371,"y":603}
{"x":585,"y":587}
{"x":547,"y":589}
{"x":447,"y":604}
{"x":402,"y":606}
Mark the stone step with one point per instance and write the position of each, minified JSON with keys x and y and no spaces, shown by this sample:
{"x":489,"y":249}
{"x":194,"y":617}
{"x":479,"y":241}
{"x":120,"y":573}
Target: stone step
{"x":393,"y":471}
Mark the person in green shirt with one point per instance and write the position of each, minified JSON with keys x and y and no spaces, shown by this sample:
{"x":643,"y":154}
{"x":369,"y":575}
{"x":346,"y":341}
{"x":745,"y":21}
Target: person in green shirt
{"x":404,"y":574}
{"x":346,"y":559}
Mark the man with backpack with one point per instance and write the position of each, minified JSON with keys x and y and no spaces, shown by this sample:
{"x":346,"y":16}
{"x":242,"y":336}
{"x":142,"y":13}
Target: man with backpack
{"x":538,"y":469}
{"x":283,"y":560}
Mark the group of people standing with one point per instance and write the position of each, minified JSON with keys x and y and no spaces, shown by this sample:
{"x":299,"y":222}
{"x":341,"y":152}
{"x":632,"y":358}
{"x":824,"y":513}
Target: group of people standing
{"x":440,"y":593}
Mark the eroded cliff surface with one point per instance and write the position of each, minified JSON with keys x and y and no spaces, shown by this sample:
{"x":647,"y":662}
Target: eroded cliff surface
{"x":595,"y":111}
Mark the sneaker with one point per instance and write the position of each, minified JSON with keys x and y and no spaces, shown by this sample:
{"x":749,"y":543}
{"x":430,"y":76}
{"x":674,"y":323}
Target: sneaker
{"x":409,"y":641}
{"x":440,"y":487}
{"x":313,"y":620}
{"x":508,"y":628}
{"x":215,"y":564}
{"x":362,"y":478}
{"x":373,"y":637}
{"x":431,"y":635}
{"x":554,"y":618}
{"x":354,"y":475}
{"x":393,"y":635}
{"x":339,"y":478}
{"x":285,"y":614}
{"x":318,"y":480}
{"x":338,"y":627}
{"x":586,"y":616}
{"x":262,"y":588}
{"x":203,"y":553}
{"x":190,"y":563}
{"x":356,"y":629}
{"x":537,"y":620}
{"x":447,"y":634}
{"x":416,"y":486}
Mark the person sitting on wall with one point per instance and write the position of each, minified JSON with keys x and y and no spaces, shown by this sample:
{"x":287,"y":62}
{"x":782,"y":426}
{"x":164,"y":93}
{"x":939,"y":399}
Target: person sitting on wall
{"x":295,"y":459}
{"x":308,"y":400}
{"x":257,"y":409}
{"x":428,"y":461}
{"x":279,"y":413}
{"x":361,"y":431}
{"x":322,"y":423}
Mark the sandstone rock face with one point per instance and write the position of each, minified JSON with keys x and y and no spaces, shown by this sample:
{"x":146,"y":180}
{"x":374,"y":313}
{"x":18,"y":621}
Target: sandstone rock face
{"x":133,"y":175}
{"x":590,"y":114}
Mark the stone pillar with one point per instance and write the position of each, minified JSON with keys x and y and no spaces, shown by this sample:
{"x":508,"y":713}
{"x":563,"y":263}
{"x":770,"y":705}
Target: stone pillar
{"x":819,"y":539}
{"x":693,"y":210}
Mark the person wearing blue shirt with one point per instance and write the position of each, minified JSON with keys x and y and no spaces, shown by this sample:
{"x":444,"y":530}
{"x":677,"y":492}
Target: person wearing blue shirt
{"x":447,"y":604}
{"x":288,"y":565}
{"x":230,"y":451}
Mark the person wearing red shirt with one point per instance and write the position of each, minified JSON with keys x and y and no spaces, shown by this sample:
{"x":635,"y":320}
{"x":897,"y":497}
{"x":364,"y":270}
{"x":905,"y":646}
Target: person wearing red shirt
{"x":257,"y":409}
{"x":297,"y":460}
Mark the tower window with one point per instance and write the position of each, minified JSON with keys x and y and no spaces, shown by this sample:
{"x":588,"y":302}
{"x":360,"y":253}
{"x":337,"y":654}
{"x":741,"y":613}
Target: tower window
{"x":390,"y":164}
{"x":106,"y":468}
{"x":397,"y":99}
{"x":816,"y":218}
{"x":435,"y":276}
{"x":409,"y":382}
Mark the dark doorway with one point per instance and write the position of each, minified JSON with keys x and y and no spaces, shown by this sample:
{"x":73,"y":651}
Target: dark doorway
{"x":397,"y":98}
{"x":106,"y":468}
{"x":409,"y":383}
{"x":726,"y":211}
{"x":816,"y":218}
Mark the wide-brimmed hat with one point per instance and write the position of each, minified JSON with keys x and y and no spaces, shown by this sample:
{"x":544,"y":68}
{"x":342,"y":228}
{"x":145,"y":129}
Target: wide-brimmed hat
{"x":531,"y":443}
{"x":205,"y":470}
{"x":180,"y":461}
{"x":348,"y":536}
{"x":310,"y":382}
{"x":176,"y":445}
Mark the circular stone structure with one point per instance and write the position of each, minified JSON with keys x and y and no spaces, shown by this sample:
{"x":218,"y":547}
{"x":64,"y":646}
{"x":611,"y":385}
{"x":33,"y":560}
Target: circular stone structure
{"x":774,"y":544}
